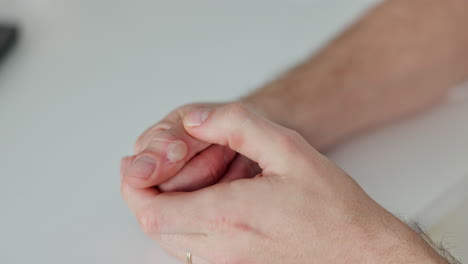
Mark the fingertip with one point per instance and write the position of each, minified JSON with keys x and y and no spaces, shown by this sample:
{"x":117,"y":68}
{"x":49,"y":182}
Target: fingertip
{"x":196,"y":118}
{"x":139,"y":170}
{"x":148,"y":169}
{"x":202,"y":171}
{"x":177,"y":151}
{"x":156,"y":163}
{"x":137,"y":198}
{"x":124,"y":163}
{"x":142,"y":142}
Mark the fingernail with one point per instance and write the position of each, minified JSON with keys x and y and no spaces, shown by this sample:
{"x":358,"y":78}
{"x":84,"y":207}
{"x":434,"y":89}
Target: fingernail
{"x":197,"y":118}
{"x":142,"y":167}
{"x":176,"y":151}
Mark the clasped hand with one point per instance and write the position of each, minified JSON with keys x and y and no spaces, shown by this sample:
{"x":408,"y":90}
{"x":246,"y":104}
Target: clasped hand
{"x":234,"y":187}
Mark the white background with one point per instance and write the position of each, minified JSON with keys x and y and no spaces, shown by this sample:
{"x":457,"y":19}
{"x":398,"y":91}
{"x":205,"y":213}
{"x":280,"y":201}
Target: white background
{"x":89,"y":76}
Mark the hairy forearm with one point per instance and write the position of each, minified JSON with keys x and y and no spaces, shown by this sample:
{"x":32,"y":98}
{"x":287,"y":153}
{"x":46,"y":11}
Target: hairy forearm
{"x":436,"y":247}
{"x":400,"y":58}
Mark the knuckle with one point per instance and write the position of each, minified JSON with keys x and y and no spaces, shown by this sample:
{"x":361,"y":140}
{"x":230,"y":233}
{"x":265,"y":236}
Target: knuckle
{"x":212,"y":171}
{"x":229,"y":259}
{"x":170,"y":121}
{"x":295,"y":137}
{"x":237,"y":110}
{"x":145,"y":140}
{"x":293,"y":145}
{"x":288,"y":139}
{"x":126,"y":193}
{"x":160,"y":130}
{"x":238,"y":115}
{"x":222,"y":223}
{"x":161,"y":126}
{"x":139,"y":143}
{"x":148,"y":222}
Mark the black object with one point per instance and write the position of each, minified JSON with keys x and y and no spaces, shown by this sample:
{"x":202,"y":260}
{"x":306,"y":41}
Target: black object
{"x":8,"y":37}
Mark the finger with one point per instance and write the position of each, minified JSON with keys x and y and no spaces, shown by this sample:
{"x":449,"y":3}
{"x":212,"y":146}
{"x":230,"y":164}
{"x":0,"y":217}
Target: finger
{"x":138,"y":200}
{"x":124,"y":163}
{"x":179,"y":246}
{"x":270,"y":145}
{"x":170,"y":132}
{"x":170,"y":213}
{"x":172,"y":121}
{"x":240,"y":168}
{"x":208,"y":249}
{"x":203,"y":170}
{"x":164,"y":155}
{"x":145,"y":138}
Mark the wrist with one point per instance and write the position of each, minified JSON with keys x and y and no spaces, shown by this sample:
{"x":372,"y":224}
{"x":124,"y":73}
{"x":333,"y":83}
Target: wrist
{"x":313,"y":112}
{"x":398,"y":243}
{"x":266,"y":107}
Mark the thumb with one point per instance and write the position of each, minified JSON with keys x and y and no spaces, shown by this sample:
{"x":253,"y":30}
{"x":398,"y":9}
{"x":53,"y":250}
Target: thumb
{"x":270,"y":145}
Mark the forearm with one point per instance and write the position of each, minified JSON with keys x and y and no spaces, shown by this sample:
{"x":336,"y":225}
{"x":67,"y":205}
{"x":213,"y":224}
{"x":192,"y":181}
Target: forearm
{"x":402,"y":244}
{"x":400,"y":58}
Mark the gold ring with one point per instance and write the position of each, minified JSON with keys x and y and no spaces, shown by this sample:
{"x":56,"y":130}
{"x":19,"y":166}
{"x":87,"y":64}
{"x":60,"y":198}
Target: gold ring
{"x":189,"y":258}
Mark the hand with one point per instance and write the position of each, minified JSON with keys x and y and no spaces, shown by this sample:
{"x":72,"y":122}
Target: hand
{"x":166,"y":155}
{"x":300,"y":209}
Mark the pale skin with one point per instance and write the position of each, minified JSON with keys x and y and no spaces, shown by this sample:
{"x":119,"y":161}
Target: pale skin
{"x":402,"y":57}
{"x":301,"y":209}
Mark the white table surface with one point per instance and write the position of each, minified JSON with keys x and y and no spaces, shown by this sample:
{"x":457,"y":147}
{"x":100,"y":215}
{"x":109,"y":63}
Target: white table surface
{"x":89,"y":76}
